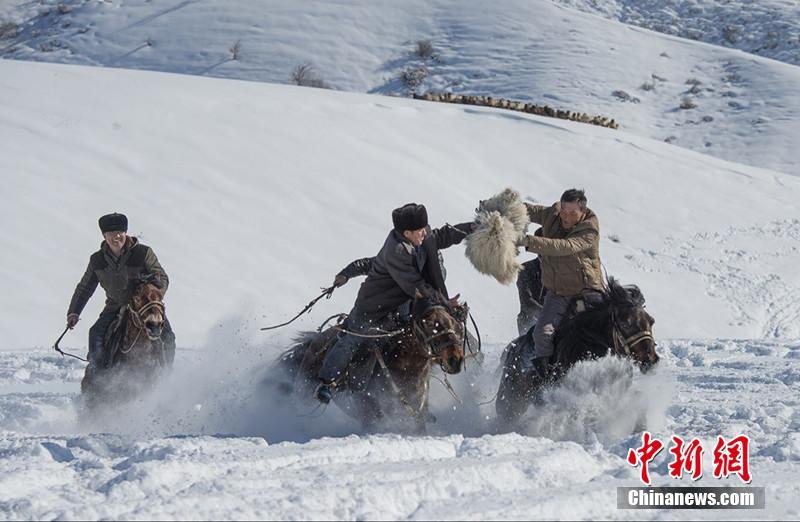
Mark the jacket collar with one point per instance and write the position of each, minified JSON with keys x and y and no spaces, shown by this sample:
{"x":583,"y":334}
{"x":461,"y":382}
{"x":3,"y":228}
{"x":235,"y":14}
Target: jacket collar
{"x":126,"y":250}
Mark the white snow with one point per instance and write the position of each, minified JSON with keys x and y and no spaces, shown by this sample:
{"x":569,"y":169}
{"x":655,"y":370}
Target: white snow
{"x":745,"y":107}
{"x":254,"y":195}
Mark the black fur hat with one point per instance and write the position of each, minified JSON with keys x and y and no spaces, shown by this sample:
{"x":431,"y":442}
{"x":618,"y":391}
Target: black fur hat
{"x":410,"y":217}
{"x":113,"y":222}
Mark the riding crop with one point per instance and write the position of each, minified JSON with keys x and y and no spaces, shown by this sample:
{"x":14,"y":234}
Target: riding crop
{"x":326,"y":292}
{"x":59,"y":350}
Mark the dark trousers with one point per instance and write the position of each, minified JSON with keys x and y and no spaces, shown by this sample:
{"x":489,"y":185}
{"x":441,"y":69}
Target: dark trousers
{"x":97,"y":350}
{"x":97,"y":333}
{"x":344,"y":349}
{"x":531,"y":295}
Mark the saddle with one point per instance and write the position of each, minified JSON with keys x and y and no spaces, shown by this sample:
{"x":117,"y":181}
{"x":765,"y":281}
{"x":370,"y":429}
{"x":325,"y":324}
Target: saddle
{"x":586,"y":300}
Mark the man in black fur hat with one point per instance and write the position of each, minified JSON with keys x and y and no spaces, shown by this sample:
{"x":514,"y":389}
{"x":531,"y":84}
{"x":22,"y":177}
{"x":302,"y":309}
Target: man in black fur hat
{"x":409,"y":261}
{"x":120,"y":261}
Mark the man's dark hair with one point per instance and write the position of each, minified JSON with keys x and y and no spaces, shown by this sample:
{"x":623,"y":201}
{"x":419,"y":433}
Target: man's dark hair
{"x":574,"y":195}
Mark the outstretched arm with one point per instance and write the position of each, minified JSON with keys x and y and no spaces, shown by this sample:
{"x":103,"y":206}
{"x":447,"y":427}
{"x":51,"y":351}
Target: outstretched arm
{"x":359,"y":267}
{"x":561,"y":247}
{"x":450,"y":235}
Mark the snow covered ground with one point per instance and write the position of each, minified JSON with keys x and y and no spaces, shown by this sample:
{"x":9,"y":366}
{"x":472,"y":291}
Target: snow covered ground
{"x":769,"y":28}
{"x":254,"y":195}
{"x":719,"y":101}
{"x":221,"y":449}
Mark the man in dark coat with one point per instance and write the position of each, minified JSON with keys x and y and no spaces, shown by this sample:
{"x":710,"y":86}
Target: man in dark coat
{"x":408,"y":262}
{"x":120,"y":261}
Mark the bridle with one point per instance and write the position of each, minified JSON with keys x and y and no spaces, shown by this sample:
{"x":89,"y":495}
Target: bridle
{"x":622,"y":344}
{"x":434,"y":349}
{"x":138,"y":321}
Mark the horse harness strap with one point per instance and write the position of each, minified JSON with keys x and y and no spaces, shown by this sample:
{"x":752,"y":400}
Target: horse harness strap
{"x":138,"y":314}
{"x":138,"y":322}
{"x":623,"y":345}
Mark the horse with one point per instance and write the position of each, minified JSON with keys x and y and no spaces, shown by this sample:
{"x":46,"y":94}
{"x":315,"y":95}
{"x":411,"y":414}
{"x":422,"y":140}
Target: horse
{"x":613,"y":320}
{"x":391,"y":372}
{"x":134,"y":349}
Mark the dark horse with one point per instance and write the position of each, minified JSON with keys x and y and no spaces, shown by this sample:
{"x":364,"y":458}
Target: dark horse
{"x":390,"y":374}
{"x":134,"y":350}
{"x":613,"y":320}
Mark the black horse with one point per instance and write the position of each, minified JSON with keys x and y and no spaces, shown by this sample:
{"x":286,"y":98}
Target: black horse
{"x":389,"y":377}
{"x":611,"y":321}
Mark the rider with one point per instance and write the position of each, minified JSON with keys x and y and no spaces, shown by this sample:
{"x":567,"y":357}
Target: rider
{"x":569,"y":253}
{"x":407,"y":262}
{"x":120,"y":261}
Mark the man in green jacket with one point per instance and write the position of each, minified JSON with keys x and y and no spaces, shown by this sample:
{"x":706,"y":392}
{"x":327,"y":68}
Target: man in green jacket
{"x":569,"y":253}
{"x":120,"y":261}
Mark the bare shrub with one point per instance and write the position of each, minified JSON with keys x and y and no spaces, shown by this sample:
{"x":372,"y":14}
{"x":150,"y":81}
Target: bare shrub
{"x":9,"y":30}
{"x":236,"y":50}
{"x":624,"y":96}
{"x":412,"y":77}
{"x":425,"y":49}
{"x":306,"y":75}
{"x":732,"y":33}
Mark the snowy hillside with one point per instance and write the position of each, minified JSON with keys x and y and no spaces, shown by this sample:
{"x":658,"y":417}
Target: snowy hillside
{"x":254,"y":195}
{"x":769,"y":28}
{"x":718,"y":101}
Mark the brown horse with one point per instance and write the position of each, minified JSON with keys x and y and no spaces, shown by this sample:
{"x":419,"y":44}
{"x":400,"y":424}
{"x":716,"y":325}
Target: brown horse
{"x":135,"y":351}
{"x":616,"y":323}
{"x":389,"y":378}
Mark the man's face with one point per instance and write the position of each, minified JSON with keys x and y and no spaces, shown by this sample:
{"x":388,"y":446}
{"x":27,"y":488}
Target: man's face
{"x":116,"y":239}
{"x":571,"y":213}
{"x":415,"y":237}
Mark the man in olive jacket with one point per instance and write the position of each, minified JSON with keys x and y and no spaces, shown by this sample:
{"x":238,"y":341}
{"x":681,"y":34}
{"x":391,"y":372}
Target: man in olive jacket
{"x":407,"y":262}
{"x":120,"y":261}
{"x":569,"y":254}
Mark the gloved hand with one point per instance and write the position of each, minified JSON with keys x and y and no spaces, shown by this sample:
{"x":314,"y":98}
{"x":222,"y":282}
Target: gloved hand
{"x":453,"y":301}
{"x":522,"y":241}
{"x":72,"y":320}
{"x":339,"y":280}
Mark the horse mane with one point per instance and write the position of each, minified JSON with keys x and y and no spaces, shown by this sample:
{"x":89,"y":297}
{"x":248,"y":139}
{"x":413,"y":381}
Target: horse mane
{"x":577,"y":334}
{"x":618,"y":296}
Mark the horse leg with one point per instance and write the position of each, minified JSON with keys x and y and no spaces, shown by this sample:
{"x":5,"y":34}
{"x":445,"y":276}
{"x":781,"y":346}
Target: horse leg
{"x":512,"y":398}
{"x":368,"y":410}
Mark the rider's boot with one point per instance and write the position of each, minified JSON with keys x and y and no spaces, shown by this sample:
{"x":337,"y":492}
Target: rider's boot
{"x":323,"y":392}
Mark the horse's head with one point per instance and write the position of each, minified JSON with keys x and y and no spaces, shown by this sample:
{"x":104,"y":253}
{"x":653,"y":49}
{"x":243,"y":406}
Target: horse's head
{"x":439,"y":331}
{"x":631,"y":325}
{"x":147,"y":309}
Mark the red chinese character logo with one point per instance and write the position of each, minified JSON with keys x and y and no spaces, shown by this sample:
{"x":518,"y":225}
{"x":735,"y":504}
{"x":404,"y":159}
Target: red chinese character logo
{"x":733,"y":457}
{"x":688,"y":459}
{"x":644,"y":454}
